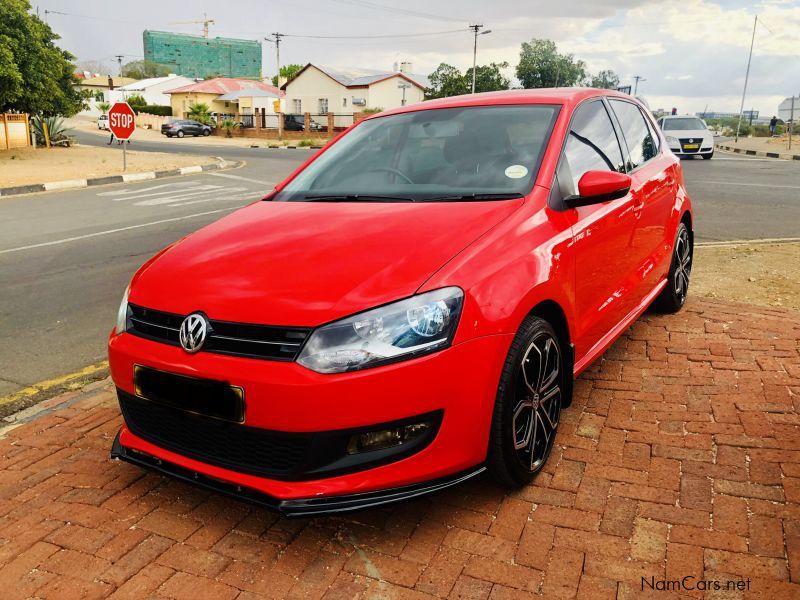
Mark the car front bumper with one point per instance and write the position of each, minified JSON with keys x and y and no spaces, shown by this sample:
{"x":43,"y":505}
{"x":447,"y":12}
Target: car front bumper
{"x":458,"y":383}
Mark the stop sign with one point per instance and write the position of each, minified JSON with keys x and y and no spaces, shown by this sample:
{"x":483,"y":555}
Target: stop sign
{"x":121,"y":120}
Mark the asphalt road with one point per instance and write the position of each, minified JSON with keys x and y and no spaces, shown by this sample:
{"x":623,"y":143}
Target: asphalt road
{"x":66,"y":257}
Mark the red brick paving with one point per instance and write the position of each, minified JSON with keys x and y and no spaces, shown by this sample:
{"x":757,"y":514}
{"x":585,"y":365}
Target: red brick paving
{"x":679,"y":457}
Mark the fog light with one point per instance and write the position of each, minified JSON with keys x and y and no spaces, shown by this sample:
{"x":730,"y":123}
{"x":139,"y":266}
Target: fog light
{"x":386,"y":438}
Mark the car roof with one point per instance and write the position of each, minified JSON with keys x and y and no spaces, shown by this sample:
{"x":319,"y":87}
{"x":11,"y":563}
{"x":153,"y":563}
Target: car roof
{"x":680,"y":117}
{"x":571,"y":96}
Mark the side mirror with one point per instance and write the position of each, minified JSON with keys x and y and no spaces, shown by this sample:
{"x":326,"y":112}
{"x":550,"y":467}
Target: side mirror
{"x":596,"y":187}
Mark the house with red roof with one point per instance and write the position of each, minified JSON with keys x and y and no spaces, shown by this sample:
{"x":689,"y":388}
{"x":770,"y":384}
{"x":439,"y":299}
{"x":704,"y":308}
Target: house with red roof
{"x":318,"y":89}
{"x":226,"y":96}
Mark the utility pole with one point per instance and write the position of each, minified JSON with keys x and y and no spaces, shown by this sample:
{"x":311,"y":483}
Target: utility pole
{"x":746,"y":77}
{"x":791,"y":120}
{"x":119,"y":61}
{"x":476,"y":29}
{"x":637,"y":79}
{"x":276,"y":39}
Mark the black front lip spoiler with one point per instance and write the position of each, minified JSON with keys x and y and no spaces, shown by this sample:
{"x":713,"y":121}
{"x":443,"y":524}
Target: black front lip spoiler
{"x":302,"y":507}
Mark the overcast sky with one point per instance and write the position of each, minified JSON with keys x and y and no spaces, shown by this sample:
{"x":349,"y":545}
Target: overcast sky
{"x":692,"y":53}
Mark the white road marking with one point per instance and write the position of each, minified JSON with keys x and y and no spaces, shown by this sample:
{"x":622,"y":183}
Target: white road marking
{"x":111,"y":231}
{"x":240,"y":178}
{"x":197,"y":192}
{"x":133,"y":193}
{"x":748,"y":159}
{"x":246,"y":196}
{"x":766,"y":185}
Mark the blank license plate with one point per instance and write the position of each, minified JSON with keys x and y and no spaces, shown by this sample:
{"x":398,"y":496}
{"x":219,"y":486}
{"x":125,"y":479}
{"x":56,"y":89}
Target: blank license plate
{"x":206,"y":397}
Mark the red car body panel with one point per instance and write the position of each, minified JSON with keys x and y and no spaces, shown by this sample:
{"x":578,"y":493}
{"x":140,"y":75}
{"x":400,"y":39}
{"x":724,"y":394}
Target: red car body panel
{"x":306,"y":264}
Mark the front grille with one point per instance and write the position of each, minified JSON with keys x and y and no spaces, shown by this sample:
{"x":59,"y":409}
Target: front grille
{"x":684,"y":141}
{"x":239,"y":339}
{"x":227,"y":445}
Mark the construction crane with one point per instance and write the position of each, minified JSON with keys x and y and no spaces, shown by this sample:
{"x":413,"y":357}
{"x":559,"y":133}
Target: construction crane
{"x":205,"y":21}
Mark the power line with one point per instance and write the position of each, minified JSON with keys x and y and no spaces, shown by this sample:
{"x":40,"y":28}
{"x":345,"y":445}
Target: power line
{"x":400,"y":11}
{"x":370,"y":37}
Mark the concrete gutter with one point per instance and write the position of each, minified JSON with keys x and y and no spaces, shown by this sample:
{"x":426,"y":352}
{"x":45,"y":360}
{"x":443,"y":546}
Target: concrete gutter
{"x":735,"y":150}
{"x":74,"y":184}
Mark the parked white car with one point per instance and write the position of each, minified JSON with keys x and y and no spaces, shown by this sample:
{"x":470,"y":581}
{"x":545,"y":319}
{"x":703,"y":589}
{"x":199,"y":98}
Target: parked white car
{"x":102,"y":122}
{"x":687,"y":135}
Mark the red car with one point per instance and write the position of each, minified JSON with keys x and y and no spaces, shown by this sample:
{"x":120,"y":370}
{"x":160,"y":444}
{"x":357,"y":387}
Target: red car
{"x":408,"y":308}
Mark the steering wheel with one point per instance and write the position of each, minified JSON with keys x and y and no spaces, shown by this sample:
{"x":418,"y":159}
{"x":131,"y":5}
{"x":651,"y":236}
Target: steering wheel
{"x":393,"y":171}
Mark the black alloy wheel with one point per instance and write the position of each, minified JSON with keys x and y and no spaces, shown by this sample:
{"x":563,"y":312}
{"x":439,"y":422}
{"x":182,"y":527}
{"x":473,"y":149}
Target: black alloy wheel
{"x":673,"y":296}
{"x":528,"y":406}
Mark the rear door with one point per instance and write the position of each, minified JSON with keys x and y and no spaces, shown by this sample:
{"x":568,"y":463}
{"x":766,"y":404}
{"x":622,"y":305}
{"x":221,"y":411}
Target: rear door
{"x":653,"y":191}
{"x":601,"y":232}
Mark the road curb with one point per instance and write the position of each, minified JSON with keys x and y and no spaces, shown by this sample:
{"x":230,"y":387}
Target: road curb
{"x":76,"y":184}
{"x":761,"y":153}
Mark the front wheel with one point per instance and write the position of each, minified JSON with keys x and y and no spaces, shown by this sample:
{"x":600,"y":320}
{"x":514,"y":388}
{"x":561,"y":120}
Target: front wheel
{"x":528,"y":405}
{"x":180,"y":134}
{"x":673,"y":296}
{"x":206,"y":132}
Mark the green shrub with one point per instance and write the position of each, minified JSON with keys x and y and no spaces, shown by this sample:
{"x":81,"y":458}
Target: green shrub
{"x":304,"y":143}
{"x":155,"y":109}
{"x":136,"y":101}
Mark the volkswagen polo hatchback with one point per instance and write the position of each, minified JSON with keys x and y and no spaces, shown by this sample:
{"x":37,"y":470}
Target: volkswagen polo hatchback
{"x":409,"y":308}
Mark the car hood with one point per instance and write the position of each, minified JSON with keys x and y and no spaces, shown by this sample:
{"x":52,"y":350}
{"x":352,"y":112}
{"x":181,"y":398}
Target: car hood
{"x":305,"y":263}
{"x":688,"y":133}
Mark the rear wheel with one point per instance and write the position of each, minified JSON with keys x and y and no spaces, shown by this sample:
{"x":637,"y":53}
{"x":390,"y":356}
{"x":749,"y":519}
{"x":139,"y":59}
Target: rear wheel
{"x":673,"y":296}
{"x":528,"y":405}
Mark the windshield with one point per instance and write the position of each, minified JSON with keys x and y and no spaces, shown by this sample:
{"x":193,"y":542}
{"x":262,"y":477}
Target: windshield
{"x":470,"y":153}
{"x":687,"y":124}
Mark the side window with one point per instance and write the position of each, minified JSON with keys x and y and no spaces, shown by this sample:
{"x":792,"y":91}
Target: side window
{"x":592,"y":145}
{"x":641,"y":143}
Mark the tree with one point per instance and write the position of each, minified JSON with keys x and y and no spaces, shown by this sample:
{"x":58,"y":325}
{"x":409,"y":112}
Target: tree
{"x":605,"y":80}
{"x":287,"y":72}
{"x":103,"y":106}
{"x":136,"y":102}
{"x":144,"y":69}
{"x":488,"y":78}
{"x":447,"y":81}
{"x":36,"y":76}
{"x":541,"y":65}
{"x":199,"y":111}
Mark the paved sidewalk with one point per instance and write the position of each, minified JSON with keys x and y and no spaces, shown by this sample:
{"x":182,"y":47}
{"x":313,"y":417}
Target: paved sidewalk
{"x":679,"y":458}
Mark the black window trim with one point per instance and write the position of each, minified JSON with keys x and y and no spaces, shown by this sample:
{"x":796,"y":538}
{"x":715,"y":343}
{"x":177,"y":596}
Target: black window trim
{"x":556,"y":202}
{"x":622,"y":133}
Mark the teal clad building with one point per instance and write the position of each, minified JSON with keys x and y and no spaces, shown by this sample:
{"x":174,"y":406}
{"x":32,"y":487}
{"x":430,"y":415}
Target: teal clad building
{"x":201,"y":58}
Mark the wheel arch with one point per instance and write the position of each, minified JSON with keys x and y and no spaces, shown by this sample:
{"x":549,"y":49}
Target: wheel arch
{"x":553,"y":313}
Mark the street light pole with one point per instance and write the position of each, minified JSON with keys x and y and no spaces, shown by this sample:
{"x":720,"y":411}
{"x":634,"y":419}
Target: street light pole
{"x":746,"y":77}
{"x":637,"y":79}
{"x":476,"y":29}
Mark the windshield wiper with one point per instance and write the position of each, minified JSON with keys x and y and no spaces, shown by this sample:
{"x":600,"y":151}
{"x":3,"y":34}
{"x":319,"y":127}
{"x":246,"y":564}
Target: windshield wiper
{"x":357,"y":198}
{"x":474,"y":197}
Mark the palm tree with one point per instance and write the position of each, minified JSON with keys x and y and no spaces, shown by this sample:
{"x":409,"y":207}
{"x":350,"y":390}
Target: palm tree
{"x":199,"y":111}
{"x":103,"y":106}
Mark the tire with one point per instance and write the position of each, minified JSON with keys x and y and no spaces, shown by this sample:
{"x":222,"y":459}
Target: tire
{"x":180,"y":134}
{"x":707,"y":156}
{"x":528,"y":405}
{"x":673,"y":296}
{"x":206,"y":132}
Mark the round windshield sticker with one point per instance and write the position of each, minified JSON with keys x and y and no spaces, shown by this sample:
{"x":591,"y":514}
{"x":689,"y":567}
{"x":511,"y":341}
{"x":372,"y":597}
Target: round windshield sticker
{"x":516,"y":172}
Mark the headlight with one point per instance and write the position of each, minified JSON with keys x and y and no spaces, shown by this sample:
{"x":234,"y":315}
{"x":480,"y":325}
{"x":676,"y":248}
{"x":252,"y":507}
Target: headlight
{"x":122,"y":312}
{"x":672,"y":140}
{"x":397,"y":331}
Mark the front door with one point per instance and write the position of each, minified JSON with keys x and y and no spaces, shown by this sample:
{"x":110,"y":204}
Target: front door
{"x":601,"y":232}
